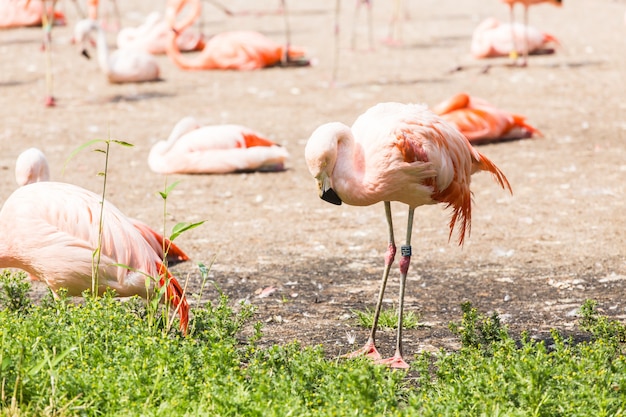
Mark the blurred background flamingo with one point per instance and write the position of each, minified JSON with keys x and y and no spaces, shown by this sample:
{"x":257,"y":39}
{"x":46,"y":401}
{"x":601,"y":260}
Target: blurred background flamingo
{"x":236,"y":50}
{"x":217,"y":149}
{"x":20,"y":13}
{"x":153,"y":34}
{"x":526,"y":4}
{"x":491,"y":38}
{"x":124,"y":65}
{"x":481,"y":122}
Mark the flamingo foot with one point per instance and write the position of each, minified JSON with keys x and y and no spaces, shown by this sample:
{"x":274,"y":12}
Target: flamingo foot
{"x":369,"y":350}
{"x":395,"y":362}
{"x":50,"y":101}
{"x":390,"y":41}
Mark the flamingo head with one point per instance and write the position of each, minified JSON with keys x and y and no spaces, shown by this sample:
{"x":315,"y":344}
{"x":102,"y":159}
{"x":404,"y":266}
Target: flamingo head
{"x":82,"y":35}
{"x":321,"y":156}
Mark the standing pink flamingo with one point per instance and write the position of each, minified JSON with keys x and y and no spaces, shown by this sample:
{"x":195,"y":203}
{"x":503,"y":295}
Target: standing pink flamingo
{"x":32,"y":166}
{"x":397,"y":152}
{"x":217,"y":149}
{"x":526,"y":4}
{"x":124,"y":65}
{"x":482,"y":122}
{"x":233,"y":50}
{"x":492,"y":38}
{"x":55,"y":242}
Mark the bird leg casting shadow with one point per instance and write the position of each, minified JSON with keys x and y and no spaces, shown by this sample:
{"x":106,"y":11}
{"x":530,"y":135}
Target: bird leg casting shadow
{"x":396,"y":360}
{"x":369,"y":349}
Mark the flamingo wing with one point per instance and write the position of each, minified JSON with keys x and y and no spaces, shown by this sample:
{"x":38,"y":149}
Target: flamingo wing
{"x":57,"y":243}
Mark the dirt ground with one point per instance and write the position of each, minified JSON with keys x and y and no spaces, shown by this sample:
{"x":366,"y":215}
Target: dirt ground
{"x":533,"y":257}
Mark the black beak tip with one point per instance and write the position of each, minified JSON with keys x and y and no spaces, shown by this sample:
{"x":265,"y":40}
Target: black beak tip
{"x":85,"y":54}
{"x":331,"y":196}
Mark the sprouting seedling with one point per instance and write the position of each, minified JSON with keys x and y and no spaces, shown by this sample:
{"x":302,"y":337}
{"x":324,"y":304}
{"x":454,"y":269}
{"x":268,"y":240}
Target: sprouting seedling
{"x":95,"y":264}
{"x":179,"y":228}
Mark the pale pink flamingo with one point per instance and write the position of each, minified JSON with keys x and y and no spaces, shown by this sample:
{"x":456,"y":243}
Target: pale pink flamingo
{"x":232,"y":50}
{"x":124,"y":65}
{"x":526,"y":4}
{"x":51,"y":230}
{"x":491,"y":38}
{"x":397,"y":152}
{"x":20,"y":13}
{"x":153,"y":34}
{"x":32,"y":166}
{"x":215,"y":149}
{"x":482,"y":122}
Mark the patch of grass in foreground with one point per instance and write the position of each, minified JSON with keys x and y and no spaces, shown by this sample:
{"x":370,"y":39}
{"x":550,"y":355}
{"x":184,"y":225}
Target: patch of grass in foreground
{"x":388,"y":318}
{"x":99,"y":358}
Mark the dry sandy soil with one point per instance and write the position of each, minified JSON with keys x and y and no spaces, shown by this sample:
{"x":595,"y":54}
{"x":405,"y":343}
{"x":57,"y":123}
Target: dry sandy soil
{"x":533,"y":257}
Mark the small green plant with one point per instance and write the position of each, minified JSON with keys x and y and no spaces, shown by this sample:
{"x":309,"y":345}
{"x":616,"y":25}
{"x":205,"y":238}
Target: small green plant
{"x":14,"y":293}
{"x":478,"y":331}
{"x":95,"y":265}
{"x":388,"y":318}
{"x":600,"y":326}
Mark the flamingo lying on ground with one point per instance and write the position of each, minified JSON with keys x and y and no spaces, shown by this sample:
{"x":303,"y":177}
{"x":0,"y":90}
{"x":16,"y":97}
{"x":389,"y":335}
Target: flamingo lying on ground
{"x":124,"y":65}
{"x":397,"y":152}
{"x":482,"y":122}
{"x":217,"y":149}
{"x":20,"y":13}
{"x":526,"y":4}
{"x":492,"y":38}
{"x":153,"y":34}
{"x":50,"y":230}
{"x":233,"y":50}
{"x":32,"y":166}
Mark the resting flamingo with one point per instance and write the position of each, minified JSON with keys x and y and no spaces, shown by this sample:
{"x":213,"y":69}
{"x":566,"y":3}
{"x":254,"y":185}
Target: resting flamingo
{"x":32,"y":166}
{"x":482,"y":122}
{"x":526,"y":4}
{"x":215,"y":149}
{"x":153,"y":34}
{"x":20,"y":13}
{"x":397,"y":152}
{"x":232,"y":50}
{"x":55,"y":242}
{"x":491,"y":38}
{"x":124,"y":65}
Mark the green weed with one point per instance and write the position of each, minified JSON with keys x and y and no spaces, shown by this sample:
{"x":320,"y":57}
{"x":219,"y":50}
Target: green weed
{"x":388,"y":318}
{"x":14,"y":292}
{"x":98,"y":358}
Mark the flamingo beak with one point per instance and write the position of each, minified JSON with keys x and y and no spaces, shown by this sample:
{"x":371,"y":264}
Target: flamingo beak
{"x":85,"y":53}
{"x":326,"y":192}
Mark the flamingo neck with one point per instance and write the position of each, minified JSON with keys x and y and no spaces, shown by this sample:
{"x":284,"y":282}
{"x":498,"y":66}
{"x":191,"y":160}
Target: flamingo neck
{"x":348,"y":174}
{"x":103,"y":51}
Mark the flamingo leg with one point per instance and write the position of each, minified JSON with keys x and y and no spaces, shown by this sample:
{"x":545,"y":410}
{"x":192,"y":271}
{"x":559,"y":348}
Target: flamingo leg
{"x":370,"y":24}
{"x":525,"y":59}
{"x":513,"y":54}
{"x":369,"y":349}
{"x":333,"y":79}
{"x":47,"y":20}
{"x":285,"y":57}
{"x":395,"y":28}
{"x":396,"y":361}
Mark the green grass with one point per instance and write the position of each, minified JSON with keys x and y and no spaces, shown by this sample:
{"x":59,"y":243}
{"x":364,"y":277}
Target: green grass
{"x":99,"y":358}
{"x":388,"y":318}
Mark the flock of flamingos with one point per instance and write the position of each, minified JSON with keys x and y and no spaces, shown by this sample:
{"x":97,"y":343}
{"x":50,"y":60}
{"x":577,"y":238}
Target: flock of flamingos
{"x":393,"y":152}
